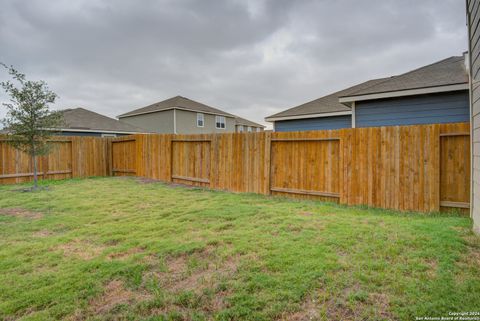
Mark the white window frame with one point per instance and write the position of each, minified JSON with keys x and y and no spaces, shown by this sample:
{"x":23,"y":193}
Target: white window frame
{"x":258,"y":129}
{"x":249,"y":129}
{"x":220,"y":120}
{"x":200,"y":117}
{"x":109,"y":135}
{"x":240,"y":129}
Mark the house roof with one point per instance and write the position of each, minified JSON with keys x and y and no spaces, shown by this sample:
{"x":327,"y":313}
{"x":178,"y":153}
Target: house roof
{"x":246,"y":122}
{"x":445,"y":75}
{"x":178,"y":102}
{"x":326,"y":104}
{"x":447,"y":72}
{"x":79,"y":119}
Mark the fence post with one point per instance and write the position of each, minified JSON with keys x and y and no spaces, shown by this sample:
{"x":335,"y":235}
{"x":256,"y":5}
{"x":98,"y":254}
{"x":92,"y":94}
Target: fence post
{"x":267,"y":165}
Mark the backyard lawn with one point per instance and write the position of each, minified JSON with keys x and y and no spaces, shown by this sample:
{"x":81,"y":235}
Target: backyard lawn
{"x":127,"y":249}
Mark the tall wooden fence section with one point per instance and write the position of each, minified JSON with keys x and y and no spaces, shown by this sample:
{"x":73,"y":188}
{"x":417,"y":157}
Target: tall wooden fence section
{"x":419,"y":168}
{"x":69,"y":157}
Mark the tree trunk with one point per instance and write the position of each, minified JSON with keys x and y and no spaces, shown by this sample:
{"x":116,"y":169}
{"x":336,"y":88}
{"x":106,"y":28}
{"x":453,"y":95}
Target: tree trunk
{"x":35,"y":175}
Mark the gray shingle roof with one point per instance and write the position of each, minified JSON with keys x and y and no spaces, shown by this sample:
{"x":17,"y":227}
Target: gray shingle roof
{"x":80,"y":118}
{"x":326,"y":104}
{"x":450,"y":71}
{"x":180,"y":102}
{"x":246,"y":122}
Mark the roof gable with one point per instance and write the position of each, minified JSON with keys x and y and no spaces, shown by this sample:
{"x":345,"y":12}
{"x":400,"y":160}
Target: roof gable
{"x":177,"y":102}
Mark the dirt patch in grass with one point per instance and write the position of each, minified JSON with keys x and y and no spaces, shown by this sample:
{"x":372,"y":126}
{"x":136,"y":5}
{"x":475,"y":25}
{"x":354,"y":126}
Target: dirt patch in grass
{"x":354,"y":304}
{"x":121,"y":256}
{"x":80,"y":249}
{"x":195,"y":272}
{"x":20,"y":212}
{"x":115,"y":294}
{"x":306,"y":213}
{"x":145,"y":180}
{"x":307,"y":311}
{"x":42,"y":233}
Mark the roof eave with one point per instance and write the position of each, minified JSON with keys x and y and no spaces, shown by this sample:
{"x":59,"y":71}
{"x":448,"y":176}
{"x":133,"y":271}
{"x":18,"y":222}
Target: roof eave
{"x":401,"y":93}
{"x":319,"y":115}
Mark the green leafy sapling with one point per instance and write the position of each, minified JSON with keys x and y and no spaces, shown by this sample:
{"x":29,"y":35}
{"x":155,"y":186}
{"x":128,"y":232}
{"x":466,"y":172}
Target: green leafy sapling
{"x":29,"y":121}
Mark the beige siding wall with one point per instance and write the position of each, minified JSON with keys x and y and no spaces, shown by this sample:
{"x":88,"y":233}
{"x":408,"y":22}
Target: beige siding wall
{"x":245,"y":128}
{"x":187,"y":123}
{"x":473,"y":8}
{"x":160,"y":122}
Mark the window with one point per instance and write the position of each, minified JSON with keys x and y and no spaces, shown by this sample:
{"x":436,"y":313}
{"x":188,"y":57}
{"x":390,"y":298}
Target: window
{"x":240,"y":129}
{"x":109,"y":135}
{"x":220,"y":122}
{"x":200,"y":120}
{"x":258,"y":129}
{"x":249,"y":129}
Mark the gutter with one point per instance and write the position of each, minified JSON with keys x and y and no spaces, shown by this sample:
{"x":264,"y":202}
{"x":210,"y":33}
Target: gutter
{"x":401,"y":93}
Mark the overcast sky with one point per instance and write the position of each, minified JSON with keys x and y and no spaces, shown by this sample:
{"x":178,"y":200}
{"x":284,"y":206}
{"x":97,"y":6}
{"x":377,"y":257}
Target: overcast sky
{"x":251,"y":58}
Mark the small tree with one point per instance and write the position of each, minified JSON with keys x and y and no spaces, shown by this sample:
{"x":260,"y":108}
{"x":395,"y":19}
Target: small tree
{"x":29,"y":121}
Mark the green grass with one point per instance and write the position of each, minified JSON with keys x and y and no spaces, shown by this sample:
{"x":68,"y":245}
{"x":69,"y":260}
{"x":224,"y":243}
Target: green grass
{"x":110,"y":248}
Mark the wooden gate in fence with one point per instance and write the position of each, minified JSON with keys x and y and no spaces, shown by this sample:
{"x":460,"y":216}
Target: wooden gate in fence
{"x":191,"y":161}
{"x":306,"y":166}
{"x":455,"y":169}
{"x":124,"y":157}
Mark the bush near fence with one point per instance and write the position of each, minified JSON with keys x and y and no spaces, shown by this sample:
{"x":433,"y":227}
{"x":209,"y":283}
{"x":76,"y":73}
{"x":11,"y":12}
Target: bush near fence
{"x":419,"y":168}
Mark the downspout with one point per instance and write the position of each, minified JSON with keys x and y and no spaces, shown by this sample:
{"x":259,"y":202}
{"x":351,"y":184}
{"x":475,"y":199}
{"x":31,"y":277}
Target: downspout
{"x":354,"y":121}
{"x":174,"y":121}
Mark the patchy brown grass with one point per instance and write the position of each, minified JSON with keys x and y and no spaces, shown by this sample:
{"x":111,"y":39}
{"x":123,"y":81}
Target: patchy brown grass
{"x":80,"y":249}
{"x":124,"y":255}
{"x":307,"y":311}
{"x":20,"y":212}
{"x":348,"y":305}
{"x":207,"y":273}
{"x":115,"y":294}
{"x":42,"y":233}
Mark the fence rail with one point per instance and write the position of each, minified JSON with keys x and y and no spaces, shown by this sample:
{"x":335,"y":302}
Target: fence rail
{"x":420,"y":168}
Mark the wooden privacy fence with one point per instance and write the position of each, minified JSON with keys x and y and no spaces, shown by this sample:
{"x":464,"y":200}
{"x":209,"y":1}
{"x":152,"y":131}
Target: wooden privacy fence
{"x":69,"y":157}
{"x":419,"y":168}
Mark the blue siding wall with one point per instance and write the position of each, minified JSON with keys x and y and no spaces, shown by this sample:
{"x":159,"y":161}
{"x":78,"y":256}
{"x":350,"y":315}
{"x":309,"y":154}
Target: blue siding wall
{"x":423,"y":109}
{"x":320,"y":123}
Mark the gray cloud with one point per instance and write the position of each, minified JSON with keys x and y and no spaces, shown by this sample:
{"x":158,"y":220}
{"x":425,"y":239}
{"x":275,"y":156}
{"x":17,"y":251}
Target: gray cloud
{"x":249,"y":57}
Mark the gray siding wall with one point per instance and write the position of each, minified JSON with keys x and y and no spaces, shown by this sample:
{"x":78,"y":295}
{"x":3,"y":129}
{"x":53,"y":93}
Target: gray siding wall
{"x":321,"y":123}
{"x":473,"y":14}
{"x":187,"y":123}
{"x":160,"y":122}
{"x":423,"y":109}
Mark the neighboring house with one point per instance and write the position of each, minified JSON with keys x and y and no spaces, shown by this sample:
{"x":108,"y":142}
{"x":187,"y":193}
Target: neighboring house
{"x":473,"y":17}
{"x":437,"y":93}
{"x":245,"y":125}
{"x":180,"y":115}
{"x":83,"y":122}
